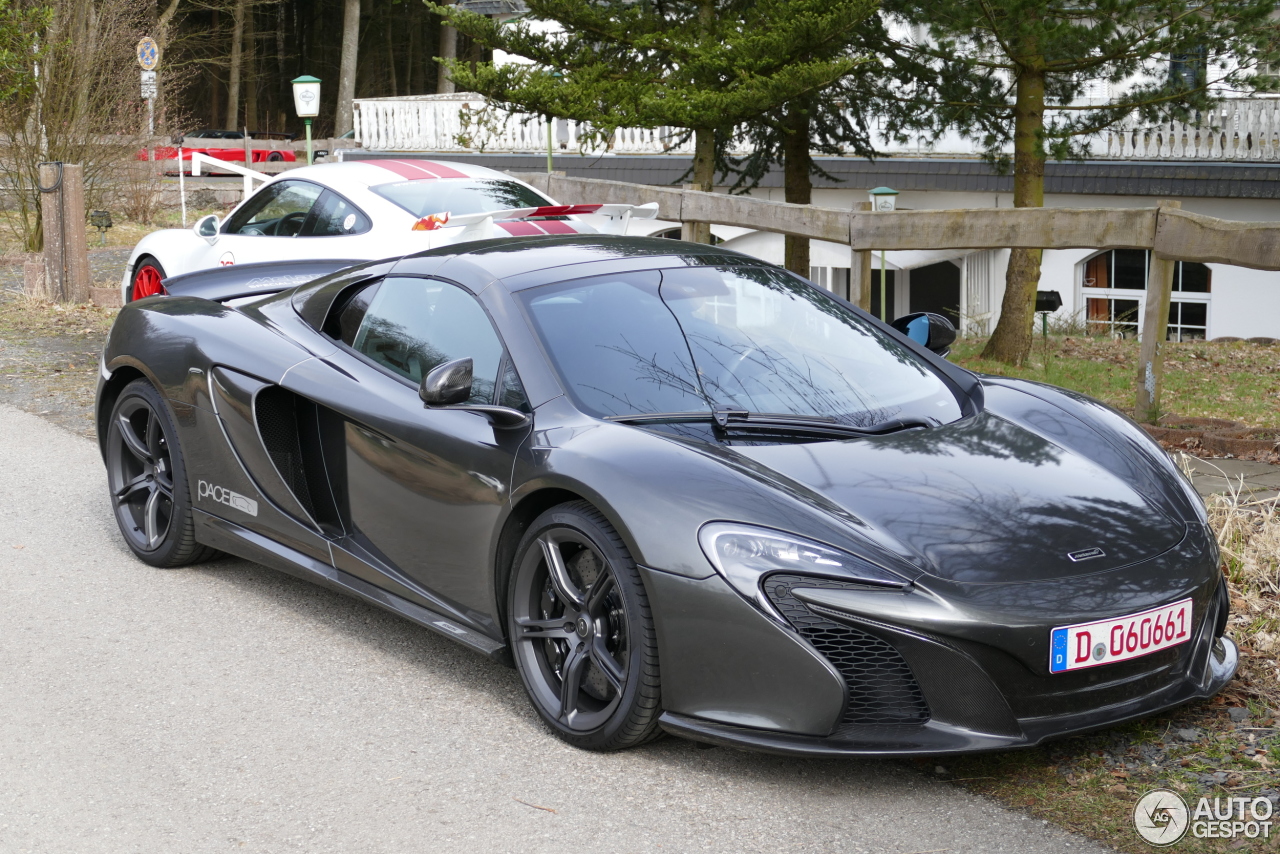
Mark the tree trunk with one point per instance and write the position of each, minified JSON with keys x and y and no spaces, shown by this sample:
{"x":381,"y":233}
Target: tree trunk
{"x":163,"y":20}
{"x":347,"y":74}
{"x":250,"y":81}
{"x":391,"y":57}
{"x":281,"y":75}
{"x":704,"y":175}
{"x":233,"y":73}
{"x":411,"y":25}
{"x":797,"y":182}
{"x":448,"y":50}
{"x":1011,"y":341}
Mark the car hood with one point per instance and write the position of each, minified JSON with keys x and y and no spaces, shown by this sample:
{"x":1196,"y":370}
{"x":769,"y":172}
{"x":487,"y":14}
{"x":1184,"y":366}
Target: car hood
{"x":981,"y":500}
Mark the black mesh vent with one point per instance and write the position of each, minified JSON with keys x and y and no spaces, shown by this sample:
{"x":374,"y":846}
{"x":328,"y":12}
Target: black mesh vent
{"x":882,"y":689}
{"x":277,"y":419}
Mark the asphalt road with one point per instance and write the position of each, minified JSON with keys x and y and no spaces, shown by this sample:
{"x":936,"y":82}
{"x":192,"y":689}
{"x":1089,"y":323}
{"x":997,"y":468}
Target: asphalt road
{"x":232,"y":708}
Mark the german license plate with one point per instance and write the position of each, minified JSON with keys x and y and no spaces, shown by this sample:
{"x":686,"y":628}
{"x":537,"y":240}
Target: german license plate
{"x":1119,"y":639}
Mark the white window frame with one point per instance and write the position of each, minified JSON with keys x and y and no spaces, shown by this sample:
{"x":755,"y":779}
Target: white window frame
{"x":1175,"y":329}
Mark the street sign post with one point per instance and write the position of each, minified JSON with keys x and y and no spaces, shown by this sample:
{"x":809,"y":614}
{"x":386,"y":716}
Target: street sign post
{"x":149,"y":57}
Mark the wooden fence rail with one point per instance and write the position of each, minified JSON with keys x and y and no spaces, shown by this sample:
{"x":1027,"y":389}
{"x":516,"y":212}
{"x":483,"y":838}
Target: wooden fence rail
{"x":1170,"y":233}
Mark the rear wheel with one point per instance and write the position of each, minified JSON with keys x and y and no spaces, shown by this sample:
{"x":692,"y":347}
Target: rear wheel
{"x":582,"y":635}
{"x":148,"y":480}
{"x":147,"y":276}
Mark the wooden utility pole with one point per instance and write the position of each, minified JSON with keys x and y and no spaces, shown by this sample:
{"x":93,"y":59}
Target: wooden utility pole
{"x":1155,"y":328}
{"x":860,"y":271}
{"x":66,"y":249}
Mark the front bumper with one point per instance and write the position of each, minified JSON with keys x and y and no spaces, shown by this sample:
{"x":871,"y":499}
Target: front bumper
{"x":856,"y":672}
{"x":937,"y":737}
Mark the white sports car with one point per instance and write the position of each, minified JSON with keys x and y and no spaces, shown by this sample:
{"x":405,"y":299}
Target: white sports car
{"x":361,"y":210}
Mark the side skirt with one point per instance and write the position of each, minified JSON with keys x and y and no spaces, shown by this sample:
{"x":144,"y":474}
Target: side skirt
{"x":241,"y":542}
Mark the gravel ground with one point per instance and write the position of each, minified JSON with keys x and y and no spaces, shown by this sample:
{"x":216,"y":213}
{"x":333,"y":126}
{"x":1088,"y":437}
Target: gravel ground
{"x":230,"y":707}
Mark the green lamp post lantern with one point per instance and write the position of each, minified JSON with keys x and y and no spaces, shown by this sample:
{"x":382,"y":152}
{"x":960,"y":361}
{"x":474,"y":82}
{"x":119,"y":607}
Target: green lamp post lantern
{"x":883,"y":199}
{"x":306,"y":100}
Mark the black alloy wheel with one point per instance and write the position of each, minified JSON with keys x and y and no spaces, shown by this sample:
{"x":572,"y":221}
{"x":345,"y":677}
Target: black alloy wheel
{"x":581,"y":632}
{"x":147,"y":480}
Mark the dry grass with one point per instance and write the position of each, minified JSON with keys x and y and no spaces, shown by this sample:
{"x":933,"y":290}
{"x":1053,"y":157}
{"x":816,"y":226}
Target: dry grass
{"x":1249,"y":536}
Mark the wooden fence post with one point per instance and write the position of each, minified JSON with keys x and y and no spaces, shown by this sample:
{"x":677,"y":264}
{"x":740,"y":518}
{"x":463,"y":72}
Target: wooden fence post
{"x":76,"y":234}
{"x":51,"y":177}
{"x":66,"y":247}
{"x":860,"y":270}
{"x":694,"y":232}
{"x":1155,"y":328}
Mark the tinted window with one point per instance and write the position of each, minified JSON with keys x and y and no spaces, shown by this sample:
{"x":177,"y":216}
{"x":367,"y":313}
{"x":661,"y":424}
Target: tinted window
{"x":512,"y":392}
{"x":346,"y":320}
{"x":412,"y":325}
{"x":460,"y":196}
{"x":279,"y":210}
{"x":616,"y":345}
{"x":753,"y":338}
{"x":334,"y":216}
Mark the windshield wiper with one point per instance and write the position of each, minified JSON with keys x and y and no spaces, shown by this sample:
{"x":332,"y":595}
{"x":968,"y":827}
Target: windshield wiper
{"x":725,"y":417}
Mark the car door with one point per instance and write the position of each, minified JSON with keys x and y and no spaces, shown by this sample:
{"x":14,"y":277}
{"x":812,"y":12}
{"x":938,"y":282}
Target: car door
{"x":424,"y":489}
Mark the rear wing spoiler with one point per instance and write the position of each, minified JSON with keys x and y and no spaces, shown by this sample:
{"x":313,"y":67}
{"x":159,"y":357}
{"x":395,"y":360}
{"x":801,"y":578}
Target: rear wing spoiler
{"x":480,"y":225}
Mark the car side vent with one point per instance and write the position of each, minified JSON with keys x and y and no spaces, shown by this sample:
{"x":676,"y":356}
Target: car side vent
{"x":882,"y":689}
{"x":304,"y":441}
{"x":276,"y":412}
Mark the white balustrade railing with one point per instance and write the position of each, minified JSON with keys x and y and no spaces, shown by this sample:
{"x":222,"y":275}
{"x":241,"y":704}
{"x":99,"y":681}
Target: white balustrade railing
{"x":1239,"y":129}
{"x":1244,"y":129}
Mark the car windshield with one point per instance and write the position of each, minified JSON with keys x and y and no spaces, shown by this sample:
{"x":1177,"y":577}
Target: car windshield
{"x":752,"y":338}
{"x":460,"y":196}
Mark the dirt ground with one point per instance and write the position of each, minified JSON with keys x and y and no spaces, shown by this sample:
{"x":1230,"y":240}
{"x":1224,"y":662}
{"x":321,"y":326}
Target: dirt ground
{"x":49,"y":355}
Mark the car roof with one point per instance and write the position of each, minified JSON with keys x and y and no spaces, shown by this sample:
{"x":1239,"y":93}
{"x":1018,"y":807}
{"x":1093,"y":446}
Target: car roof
{"x":524,"y":262}
{"x":373,"y":172}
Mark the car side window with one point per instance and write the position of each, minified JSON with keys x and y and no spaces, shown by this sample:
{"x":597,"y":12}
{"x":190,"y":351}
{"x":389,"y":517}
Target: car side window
{"x":334,"y":216}
{"x":277,"y":211}
{"x":410,"y":326}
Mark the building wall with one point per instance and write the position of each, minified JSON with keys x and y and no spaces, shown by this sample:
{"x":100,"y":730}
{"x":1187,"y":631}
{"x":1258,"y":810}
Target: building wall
{"x":1244,"y":303}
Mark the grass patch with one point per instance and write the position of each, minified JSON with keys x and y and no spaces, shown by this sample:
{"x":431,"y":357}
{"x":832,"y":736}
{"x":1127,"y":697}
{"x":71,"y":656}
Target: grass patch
{"x":1234,"y":380}
{"x":24,"y":320}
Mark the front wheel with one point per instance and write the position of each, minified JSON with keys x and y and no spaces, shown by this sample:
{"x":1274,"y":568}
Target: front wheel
{"x":148,"y":480}
{"x":581,"y":632}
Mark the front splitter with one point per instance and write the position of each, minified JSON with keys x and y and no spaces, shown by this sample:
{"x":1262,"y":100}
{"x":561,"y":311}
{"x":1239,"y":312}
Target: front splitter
{"x":937,"y":738}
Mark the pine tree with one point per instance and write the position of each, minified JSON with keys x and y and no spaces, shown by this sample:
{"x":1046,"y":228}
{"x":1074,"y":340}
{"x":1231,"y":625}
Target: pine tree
{"x":1164,"y":57}
{"x":837,"y":121}
{"x":701,"y":65}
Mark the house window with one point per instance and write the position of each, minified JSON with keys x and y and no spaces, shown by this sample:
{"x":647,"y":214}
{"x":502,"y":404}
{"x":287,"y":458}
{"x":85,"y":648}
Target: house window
{"x":1114,"y":287}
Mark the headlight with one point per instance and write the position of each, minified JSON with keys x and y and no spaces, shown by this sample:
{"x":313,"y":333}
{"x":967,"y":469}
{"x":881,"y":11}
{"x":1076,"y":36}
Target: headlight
{"x":745,"y":554}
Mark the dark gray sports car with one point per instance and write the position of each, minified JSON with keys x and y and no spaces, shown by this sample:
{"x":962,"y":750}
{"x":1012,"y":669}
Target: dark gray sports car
{"x":680,"y":489}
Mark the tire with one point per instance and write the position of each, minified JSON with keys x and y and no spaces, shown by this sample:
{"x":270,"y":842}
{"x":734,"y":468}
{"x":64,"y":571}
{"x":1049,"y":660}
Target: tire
{"x":147,"y":479}
{"x":147,"y":275}
{"x":587,"y":620}
{"x":275,"y":157}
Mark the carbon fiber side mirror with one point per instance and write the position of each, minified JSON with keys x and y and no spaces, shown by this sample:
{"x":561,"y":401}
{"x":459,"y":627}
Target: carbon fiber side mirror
{"x":447,"y":384}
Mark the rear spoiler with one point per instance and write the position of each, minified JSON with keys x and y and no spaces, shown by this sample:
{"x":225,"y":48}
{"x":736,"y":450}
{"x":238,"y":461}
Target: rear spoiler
{"x":479,"y":225}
